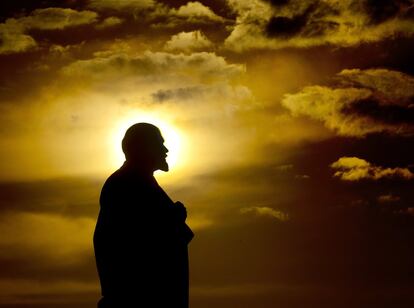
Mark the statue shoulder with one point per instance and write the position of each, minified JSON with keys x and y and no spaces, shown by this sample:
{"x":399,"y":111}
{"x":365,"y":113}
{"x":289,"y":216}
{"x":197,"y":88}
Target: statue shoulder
{"x":122,"y":187}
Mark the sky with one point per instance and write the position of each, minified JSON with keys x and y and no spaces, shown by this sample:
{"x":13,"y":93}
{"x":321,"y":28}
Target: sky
{"x":290,"y":126}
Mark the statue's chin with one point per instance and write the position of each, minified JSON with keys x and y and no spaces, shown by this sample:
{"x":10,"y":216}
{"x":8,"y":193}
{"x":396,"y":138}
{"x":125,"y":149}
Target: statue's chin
{"x":164,"y":166}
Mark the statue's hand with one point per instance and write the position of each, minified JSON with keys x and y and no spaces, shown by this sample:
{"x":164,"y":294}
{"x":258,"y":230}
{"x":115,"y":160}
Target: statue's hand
{"x":181,"y":210}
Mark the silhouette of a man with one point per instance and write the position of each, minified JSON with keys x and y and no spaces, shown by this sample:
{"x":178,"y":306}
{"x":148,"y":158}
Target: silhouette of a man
{"x":141,"y":236}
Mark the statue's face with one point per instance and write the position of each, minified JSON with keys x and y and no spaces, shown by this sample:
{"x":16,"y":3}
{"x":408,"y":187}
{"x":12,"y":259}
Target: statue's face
{"x":159,"y":154}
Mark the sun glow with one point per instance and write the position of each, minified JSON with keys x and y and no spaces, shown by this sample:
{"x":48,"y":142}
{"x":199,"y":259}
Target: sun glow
{"x":174,"y":139}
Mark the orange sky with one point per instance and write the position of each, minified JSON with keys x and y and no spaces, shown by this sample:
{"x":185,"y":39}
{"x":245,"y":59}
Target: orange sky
{"x":290,"y":129}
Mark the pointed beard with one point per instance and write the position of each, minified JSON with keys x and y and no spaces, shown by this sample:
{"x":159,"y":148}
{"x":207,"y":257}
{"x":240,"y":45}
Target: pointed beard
{"x":163,"y":166}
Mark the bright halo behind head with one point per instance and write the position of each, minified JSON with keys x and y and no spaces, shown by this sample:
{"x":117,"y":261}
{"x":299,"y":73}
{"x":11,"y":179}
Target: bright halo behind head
{"x":173,"y":139}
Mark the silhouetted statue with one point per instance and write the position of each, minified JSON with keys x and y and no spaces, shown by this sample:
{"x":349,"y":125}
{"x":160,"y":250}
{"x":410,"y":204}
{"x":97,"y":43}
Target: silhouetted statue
{"x":141,"y":236}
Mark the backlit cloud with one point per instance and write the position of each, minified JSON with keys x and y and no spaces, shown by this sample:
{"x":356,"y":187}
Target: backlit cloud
{"x":355,"y":169}
{"x":391,"y":85}
{"x":13,"y":39}
{"x":227,"y":92}
{"x":195,"y":10}
{"x":188,"y":41}
{"x":157,"y":14}
{"x":13,"y":32}
{"x":362,"y":102}
{"x":192,"y":12}
{"x":280,"y":24}
{"x":110,"y":22}
{"x":206,"y":65}
{"x":57,"y":18}
{"x":265,"y":211}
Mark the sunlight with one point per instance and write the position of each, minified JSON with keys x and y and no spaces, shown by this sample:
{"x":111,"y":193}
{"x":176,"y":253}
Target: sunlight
{"x":174,"y":139}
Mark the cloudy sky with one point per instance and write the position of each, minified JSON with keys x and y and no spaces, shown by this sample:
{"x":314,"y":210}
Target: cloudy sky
{"x":290,"y":126}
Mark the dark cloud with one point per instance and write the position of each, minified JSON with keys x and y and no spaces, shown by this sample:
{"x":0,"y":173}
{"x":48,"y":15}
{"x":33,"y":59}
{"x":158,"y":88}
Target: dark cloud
{"x":71,"y":197}
{"x":373,"y":107}
{"x":382,"y":10}
{"x":320,"y":27}
{"x":391,"y":85}
{"x":309,"y":23}
{"x":262,"y":25}
{"x":285,"y":27}
{"x":179,"y":94}
{"x":23,"y":7}
{"x":18,"y":265}
{"x":278,"y":2}
{"x":14,"y":31}
{"x":132,"y":6}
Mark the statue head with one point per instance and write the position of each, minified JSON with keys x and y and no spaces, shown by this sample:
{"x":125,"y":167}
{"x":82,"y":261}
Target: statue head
{"x":143,"y":146}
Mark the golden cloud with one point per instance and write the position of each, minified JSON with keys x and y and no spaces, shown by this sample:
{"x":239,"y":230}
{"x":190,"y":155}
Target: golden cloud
{"x":149,"y":65}
{"x":308,"y":23}
{"x":265,"y":211}
{"x":57,"y":18}
{"x":110,"y":22}
{"x":188,"y":41}
{"x":355,"y":169}
{"x":195,"y":10}
{"x":13,"y":37}
{"x":363,"y":102}
{"x":160,"y":15}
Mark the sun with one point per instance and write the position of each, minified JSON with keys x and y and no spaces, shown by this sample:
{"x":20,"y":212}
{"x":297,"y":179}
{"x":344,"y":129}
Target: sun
{"x":174,"y":138}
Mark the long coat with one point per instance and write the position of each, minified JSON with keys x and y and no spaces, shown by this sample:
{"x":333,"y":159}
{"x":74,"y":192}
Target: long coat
{"x":140,"y":244}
